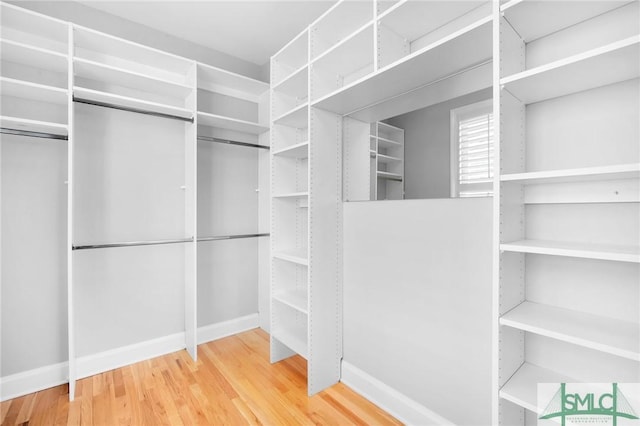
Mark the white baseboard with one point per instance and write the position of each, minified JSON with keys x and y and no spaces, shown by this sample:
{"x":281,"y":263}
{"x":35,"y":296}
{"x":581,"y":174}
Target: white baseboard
{"x":395,"y":403}
{"x":219,"y":330}
{"x":26,"y":382}
{"x":35,"y":380}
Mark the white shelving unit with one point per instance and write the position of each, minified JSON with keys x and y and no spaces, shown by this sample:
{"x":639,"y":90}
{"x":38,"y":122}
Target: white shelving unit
{"x":388,"y":182}
{"x":558,"y":188}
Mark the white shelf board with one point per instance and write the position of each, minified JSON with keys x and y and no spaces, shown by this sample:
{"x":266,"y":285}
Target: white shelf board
{"x":297,"y":299}
{"x":389,"y":127}
{"x":51,"y":31}
{"x":36,"y":57}
{"x":228,"y":83}
{"x":229,"y":123}
{"x":413,"y":19}
{"x":388,"y":143}
{"x":458,"y":51}
{"x":615,"y":62}
{"x":16,"y":123}
{"x":122,"y":77}
{"x":582,"y":250}
{"x":296,"y":84}
{"x":388,"y":159}
{"x":128,"y":102}
{"x":295,"y":339}
{"x":295,"y":53}
{"x":292,"y":195}
{"x":607,"y":335}
{"x":295,"y":256}
{"x":536,"y":19}
{"x":351,"y":54}
{"x":522,"y":387}
{"x":300,"y":150}
{"x":297,"y":117}
{"x":619,"y":171}
{"x":33,"y":91}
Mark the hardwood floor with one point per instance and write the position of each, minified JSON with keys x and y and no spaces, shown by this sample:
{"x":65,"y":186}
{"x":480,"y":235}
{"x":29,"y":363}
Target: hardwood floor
{"x":232,"y":383}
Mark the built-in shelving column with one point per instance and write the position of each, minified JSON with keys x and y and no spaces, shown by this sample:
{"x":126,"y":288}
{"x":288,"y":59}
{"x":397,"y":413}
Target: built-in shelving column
{"x":568,"y":217}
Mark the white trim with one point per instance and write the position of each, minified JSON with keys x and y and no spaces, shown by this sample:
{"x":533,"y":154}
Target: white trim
{"x":216,"y":331}
{"x":395,"y":403}
{"x":35,"y":380}
{"x":30,"y":381}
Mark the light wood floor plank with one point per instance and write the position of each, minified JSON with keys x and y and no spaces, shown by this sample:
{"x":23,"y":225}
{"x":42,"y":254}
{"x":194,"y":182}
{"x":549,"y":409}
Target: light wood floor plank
{"x":233,"y":383}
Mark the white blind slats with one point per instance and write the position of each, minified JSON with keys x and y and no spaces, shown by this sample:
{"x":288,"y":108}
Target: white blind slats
{"x":475,"y":155}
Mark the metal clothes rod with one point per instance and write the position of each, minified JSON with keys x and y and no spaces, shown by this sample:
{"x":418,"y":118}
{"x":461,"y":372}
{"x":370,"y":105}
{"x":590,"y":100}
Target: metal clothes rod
{"x":231,"y":237}
{"x":130,"y":109}
{"x":132,"y":244}
{"x":390,"y":178}
{"x":230,"y":142}
{"x":31,"y":134}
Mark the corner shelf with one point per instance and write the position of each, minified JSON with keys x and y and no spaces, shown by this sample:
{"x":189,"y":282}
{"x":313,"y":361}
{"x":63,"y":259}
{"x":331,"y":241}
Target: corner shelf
{"x":300,"y":150}
{"x":297,"y":299}
{"x":581,"y":250}
{"x":129,"y":102}
{"x":594,"y":332}
{"x":620,"y":171}
{"x":229,"y":123}
{"x":522,"y":387}
{"x":34,"y":126}
{"x":33,"y":91}
{"x":605,"y":65}
{"x":295,"y":256}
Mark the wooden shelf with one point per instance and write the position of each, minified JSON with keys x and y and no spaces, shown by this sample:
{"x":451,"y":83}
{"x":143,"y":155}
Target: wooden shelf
{"x":295,"y":256}
{"x":459,"y":51}
{"x":297,"y":117}
{"x":615,"y":62}
{"x":33,"y":91}
{"x":121,"y":77}
{"x":222,"y":122}
{"x":294,"y":338}
{"x":522,"y":387}
{"x":36,"y":57}
{"x":300,"y":150}
{"x":292,"y":195}
{"x":128,"y":102}
{"x":295,"y":85}
{"x":536,"y":19}
{"x":231,"y":84}
{"x":387,"y":159}
{"x":582,"y":250}
{"x":297,"y":299}
{"x":620,"y":171}
{"x":594,"y":332}
{"x":33,"y":125}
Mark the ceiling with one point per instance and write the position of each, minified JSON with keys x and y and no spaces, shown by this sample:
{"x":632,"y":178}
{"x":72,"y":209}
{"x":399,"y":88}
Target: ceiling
{"x":252,"y":30}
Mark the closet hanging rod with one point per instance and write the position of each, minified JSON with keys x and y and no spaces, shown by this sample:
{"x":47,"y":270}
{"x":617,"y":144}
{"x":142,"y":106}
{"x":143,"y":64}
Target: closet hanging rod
{"x":31,"y":134}
{"x":230,"y":142}
{"x":131,"y":109}
{"x":397,"y":179}
{"x":132,"y":244}
{"x":231,"y":237}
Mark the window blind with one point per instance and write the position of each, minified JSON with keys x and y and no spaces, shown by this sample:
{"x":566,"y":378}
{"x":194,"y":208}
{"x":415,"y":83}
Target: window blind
{"x":475,"y":158}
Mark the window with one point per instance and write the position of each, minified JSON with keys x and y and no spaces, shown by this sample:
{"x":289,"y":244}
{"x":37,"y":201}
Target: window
{"x":472,"y":150}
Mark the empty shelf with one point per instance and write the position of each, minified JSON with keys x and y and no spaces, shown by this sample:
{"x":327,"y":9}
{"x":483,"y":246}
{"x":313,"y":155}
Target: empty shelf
{"x":33,"y":91}
{"x":20,"y":53}
{"x":129,"y":103}
{"x":351,"y":54}
{"x":522,"y":387}
{"x":536,"y":19}
{"x":295,"y":85}
{"x":459,"y":51}
{"x":608,"y":335}
{"x":222,"y":122}
{"x":609,"y":64}
{"x":23,"y":124}
{"x":620,"y":171}
{"x":228,"y":83}
{"x":292,"y":195}
{"x":297,"y":299}
{"x":295,"y":339}
{"x":297,"y":117}
{"x":295,"y":256}
{"x":388,"y":143}
{"x":583,"y":250}
{"x":388,"y":159}
{"x":300,"y":150}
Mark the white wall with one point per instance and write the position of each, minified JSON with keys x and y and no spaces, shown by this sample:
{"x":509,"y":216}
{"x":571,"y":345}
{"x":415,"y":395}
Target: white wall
{"x":417,"y":301}
{"x":427,"y":142}
{"x":120,"y":27}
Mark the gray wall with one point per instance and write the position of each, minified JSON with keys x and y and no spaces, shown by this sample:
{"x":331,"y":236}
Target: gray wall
{"x":427,"y":152}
